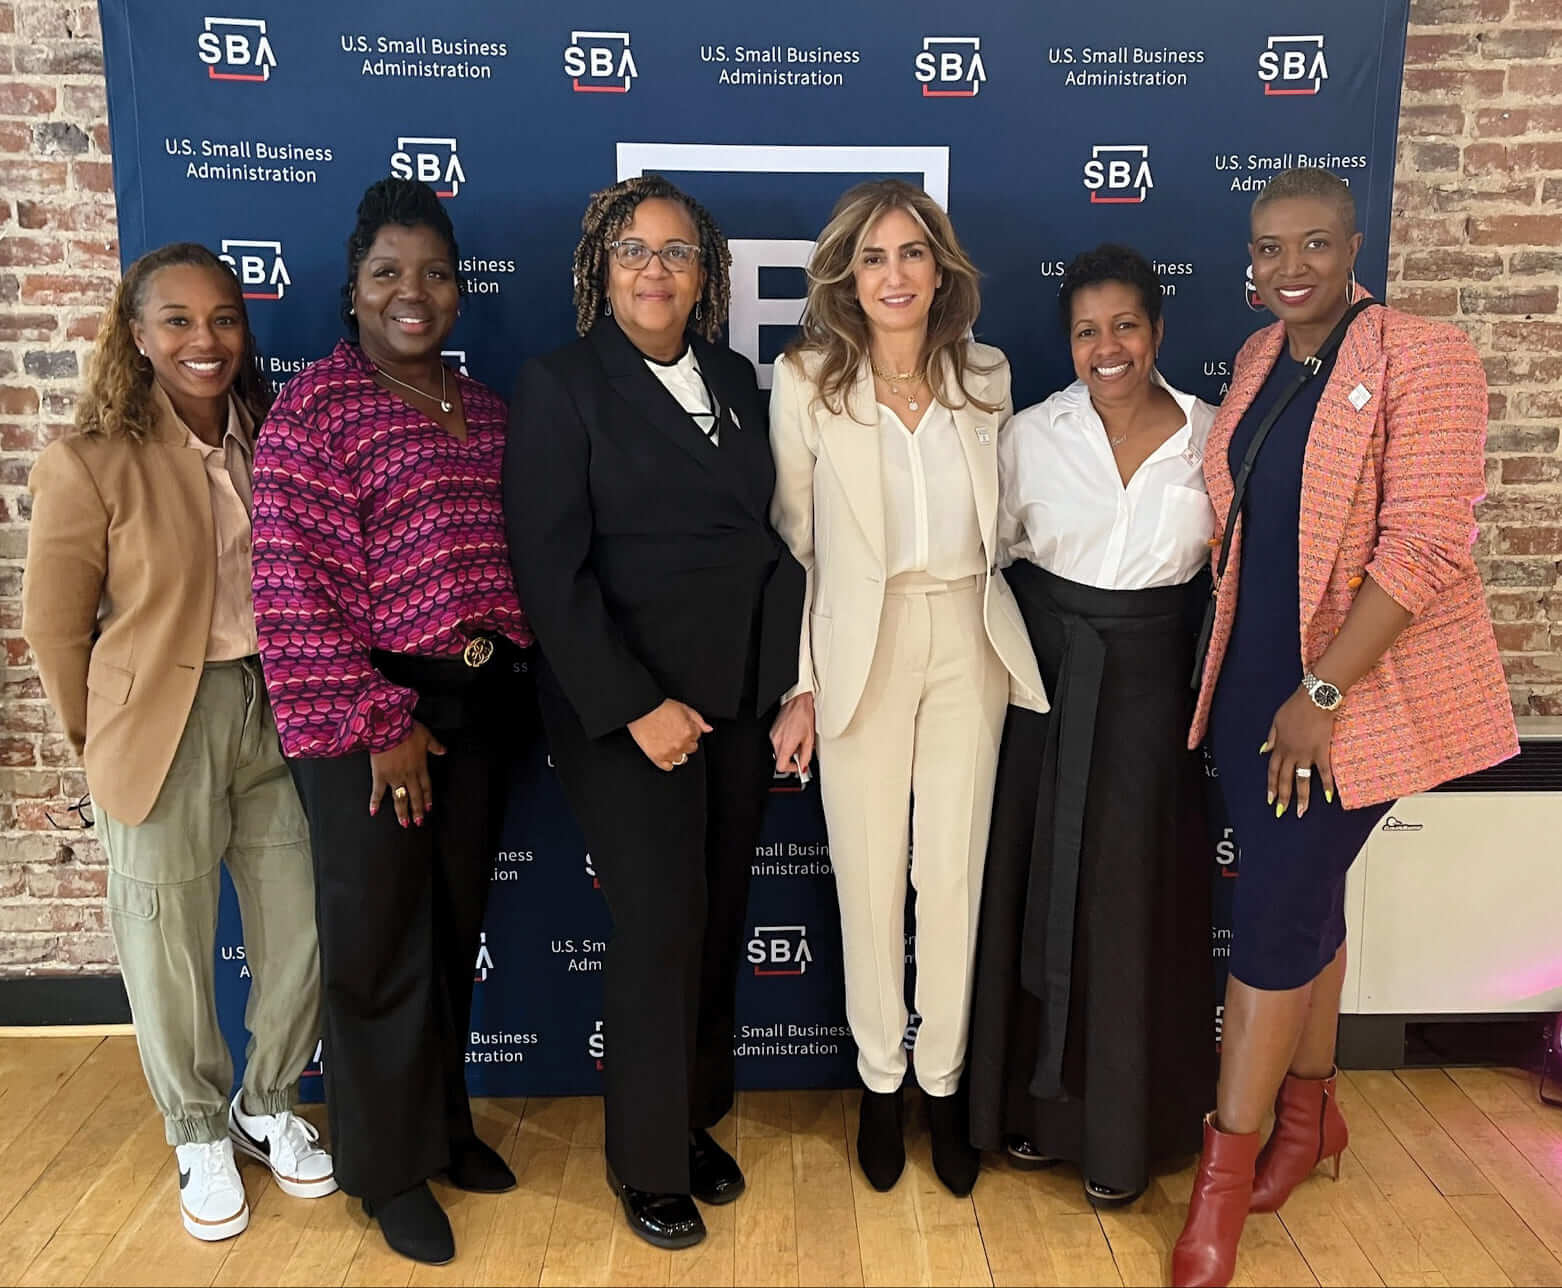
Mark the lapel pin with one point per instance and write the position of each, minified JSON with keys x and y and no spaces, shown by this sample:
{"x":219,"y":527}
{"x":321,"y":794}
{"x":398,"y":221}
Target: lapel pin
{"x":1192,"y":455}
{"x":983,"y":436}
{"x":1359,"y":396}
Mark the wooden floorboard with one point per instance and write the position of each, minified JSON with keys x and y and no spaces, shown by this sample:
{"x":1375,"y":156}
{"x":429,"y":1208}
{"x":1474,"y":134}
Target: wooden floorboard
{"x":1452,"y":1177}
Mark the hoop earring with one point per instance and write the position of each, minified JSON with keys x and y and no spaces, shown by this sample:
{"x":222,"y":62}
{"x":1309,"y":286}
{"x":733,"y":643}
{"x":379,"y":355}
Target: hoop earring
{"x":607,"y":308}
{"x":1351,"y":297}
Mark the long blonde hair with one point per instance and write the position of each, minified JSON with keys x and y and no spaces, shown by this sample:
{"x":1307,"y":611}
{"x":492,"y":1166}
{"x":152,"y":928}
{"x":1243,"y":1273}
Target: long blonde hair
{"x":118,"y":395}
{"x":834,"y":325}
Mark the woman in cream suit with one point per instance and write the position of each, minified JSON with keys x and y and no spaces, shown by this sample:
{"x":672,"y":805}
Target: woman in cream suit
{"x":884,"y":424}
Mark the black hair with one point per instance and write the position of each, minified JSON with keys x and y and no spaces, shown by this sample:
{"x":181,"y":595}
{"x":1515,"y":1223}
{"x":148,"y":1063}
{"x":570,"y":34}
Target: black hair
{"x":1110,"y":262}
{"x":1313,"y":183}
{"x":408,"y":202}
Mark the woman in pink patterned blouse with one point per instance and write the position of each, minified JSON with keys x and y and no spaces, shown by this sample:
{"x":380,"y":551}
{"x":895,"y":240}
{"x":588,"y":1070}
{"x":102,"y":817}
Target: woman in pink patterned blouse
{"x":391,"y":636}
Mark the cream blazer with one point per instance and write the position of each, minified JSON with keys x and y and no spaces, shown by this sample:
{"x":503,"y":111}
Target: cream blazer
{"x":829,"y":508}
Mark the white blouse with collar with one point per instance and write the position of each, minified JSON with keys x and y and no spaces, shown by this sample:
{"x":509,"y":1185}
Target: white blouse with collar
{"x":1063,"y":505}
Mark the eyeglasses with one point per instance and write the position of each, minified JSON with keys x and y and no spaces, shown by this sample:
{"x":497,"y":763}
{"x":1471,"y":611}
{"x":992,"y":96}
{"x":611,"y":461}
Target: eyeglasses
{"x":676,"y":257}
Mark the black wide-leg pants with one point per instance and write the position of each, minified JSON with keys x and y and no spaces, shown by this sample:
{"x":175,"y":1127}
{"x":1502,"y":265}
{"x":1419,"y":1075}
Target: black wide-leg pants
{"x":399,"y":912}
{"x":673,"y":853}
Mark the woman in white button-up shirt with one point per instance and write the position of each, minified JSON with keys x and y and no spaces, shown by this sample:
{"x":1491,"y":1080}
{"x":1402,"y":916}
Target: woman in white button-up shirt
{"x":885,"y":423}
{"x":1090,"y":1033}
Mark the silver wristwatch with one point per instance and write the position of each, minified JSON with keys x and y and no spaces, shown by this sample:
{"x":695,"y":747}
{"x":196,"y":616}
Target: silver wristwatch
{"x":1325,"y":696}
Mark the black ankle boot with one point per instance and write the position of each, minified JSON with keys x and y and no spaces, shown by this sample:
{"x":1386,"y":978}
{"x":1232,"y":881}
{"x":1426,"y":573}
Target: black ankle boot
{"x":476,"y":1168}
{"x":881,"y":1146}
{"x":414,"y":1225}
{"x":955,"y":1159}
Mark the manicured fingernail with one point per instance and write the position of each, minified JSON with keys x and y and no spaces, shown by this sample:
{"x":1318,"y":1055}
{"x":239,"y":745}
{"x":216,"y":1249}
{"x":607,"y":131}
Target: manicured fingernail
{"x":1262,"y":748}
{"x":1271,"y":798}
{"x":1279,"y":809}
{"x":1328,"y":794}
{"x":1300,"y":810}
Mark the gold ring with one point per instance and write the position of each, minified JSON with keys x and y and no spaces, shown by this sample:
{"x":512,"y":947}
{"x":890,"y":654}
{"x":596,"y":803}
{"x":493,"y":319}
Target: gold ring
{"x":400,"y":793}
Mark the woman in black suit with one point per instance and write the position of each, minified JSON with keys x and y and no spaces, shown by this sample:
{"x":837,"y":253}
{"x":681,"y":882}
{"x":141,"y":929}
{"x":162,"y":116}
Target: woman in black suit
{"x":636,"y":486}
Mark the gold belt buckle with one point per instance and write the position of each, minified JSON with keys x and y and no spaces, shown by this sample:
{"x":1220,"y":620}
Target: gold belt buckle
{"x":479,"y":649}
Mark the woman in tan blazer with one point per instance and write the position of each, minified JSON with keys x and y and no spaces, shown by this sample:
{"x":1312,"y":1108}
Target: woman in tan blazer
{"x":136,"y":604}
{"x":884,"y":424}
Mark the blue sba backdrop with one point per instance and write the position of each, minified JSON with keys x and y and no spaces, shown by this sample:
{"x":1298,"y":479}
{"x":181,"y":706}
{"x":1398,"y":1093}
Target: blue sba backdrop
{"x":255,"y":128}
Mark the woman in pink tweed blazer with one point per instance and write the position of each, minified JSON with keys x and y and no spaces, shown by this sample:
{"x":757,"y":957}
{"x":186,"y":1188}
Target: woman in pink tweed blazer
{"x":1369,"y":674}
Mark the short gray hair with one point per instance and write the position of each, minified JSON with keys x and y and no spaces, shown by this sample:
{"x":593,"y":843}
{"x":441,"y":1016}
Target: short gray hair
{"x":1317,"y":185}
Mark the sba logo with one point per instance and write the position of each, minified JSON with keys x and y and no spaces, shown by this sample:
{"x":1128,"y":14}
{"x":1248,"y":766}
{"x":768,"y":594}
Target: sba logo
{"x":779,"y":950}
{"x":457,"y":359}
{"x":434,"y":161}
{"x":236,"y":49}
{"x":1293,"y":65}
{"x":1118,"y":174}
{"x":316,"y":1066}
{"x":950,"y":66}
{"x":1254,"y":300}
{"x":596,"y":1044}
{"x":599,"y":62}
{"x":485,"y":961}
{"x":1227,"y":853}
{"x":259,"y":266}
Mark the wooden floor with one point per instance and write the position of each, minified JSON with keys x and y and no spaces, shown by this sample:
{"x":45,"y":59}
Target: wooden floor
{"x":1452,"y":1178}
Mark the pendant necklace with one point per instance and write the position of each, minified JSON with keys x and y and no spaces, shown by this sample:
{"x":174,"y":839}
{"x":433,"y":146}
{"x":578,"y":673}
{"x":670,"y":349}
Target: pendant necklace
{"x":442,"y":400}
{"x":896,"y":380}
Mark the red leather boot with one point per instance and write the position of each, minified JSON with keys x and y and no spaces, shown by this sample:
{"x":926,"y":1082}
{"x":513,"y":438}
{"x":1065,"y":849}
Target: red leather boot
{"x":1206,"y":1252}
{"x":1309,"y":1128}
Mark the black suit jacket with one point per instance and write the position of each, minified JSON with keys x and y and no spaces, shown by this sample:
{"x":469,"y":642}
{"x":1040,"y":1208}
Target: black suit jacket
{"x":644,"y":554}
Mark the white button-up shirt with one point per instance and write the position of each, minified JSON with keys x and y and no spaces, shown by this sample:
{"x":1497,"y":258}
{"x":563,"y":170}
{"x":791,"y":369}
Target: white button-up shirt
{"x":685,"y":383}
{"x":1063,"y":505}
{"x":929,"y":508}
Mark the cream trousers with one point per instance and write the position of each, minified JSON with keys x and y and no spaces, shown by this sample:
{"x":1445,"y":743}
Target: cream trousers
{"x":913,"y":772}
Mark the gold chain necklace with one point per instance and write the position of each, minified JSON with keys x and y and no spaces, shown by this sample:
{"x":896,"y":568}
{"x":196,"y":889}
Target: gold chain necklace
{"x":894,"y":382}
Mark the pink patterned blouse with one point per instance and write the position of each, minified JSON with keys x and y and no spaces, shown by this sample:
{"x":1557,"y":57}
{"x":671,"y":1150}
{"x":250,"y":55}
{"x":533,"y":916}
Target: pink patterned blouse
{"x":373,"y":529}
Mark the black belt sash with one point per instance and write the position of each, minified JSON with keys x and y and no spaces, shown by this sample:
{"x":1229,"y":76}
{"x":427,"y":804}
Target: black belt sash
{"x":1072,"y":627}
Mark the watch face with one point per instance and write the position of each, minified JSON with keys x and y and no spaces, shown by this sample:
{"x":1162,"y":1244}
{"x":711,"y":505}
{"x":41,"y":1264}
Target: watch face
{"x":1326,"y":695}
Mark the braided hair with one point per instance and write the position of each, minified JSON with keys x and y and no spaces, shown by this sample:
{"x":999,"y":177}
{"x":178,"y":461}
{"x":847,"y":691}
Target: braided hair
{"x":608,"y":212}
{"x":408,"y":202}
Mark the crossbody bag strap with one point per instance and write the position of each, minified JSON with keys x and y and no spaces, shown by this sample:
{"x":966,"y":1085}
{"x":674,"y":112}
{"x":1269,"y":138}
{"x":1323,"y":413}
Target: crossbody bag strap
{"x":1310,"y":368}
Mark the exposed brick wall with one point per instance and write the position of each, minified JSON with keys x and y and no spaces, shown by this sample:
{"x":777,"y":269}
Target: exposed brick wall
{"x":1477,"y":238}
{"x":59,"y":258}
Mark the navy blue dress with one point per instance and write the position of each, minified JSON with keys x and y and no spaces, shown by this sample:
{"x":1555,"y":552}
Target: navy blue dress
{"x":1288,"y":910}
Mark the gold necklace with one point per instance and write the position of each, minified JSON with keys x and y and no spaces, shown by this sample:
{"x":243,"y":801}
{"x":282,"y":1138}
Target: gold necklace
{"x":894,"y":383}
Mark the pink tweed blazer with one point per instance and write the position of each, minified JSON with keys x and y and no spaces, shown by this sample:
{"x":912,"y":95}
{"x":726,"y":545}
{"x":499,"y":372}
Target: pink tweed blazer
{"x":1388,"y":491}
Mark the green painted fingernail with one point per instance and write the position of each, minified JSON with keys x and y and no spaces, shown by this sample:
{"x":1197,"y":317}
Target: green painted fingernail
{"x":1328,"y":794}
{"x":1279,"y":809}
{"x":1262,"y":748}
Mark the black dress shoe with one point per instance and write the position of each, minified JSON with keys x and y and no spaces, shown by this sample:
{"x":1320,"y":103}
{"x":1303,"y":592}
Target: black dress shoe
{"x":881,"y":1145}
{"x":667,"y":1220}
{"x":713,"y":1173}
{"x":476,"y":1168}
{"x":1103,"y":1197}
{"x":414,"y":1225}
{"x":1025,"y":1157}
{"x":955,"y":1159}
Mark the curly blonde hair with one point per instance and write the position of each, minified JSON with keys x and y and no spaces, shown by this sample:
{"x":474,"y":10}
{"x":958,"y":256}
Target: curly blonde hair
{"x":834,"y":325}
{"x":608,"y":212}
{"x":118,"y":394}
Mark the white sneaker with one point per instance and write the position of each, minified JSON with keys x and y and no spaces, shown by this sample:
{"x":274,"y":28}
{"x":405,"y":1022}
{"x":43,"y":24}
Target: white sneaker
{"x":211,"y":1196}
{"x":286,"y":1144}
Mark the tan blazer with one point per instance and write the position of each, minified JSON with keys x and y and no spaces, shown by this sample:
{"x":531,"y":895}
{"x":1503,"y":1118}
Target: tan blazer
{"x":829,"y":508}
{"x":117,"y":600}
